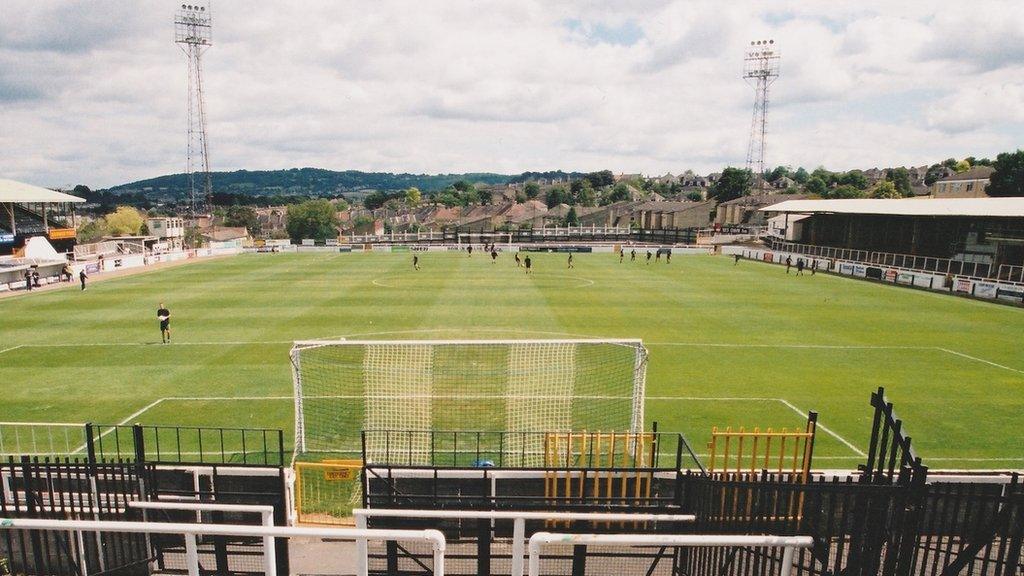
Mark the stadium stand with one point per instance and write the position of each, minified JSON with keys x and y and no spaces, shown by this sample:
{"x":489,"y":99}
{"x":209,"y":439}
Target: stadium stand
{"x":28,"y":211}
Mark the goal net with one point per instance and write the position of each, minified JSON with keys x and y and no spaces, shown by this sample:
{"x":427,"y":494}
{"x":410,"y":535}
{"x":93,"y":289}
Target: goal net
{"x":345,"y":387}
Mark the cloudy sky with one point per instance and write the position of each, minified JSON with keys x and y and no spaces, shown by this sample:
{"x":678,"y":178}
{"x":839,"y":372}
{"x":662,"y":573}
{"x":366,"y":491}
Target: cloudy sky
{"x":94,"y":92}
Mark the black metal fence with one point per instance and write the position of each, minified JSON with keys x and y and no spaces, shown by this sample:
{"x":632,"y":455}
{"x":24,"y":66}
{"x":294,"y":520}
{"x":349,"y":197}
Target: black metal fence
{"x":223,"y":484}
{"x":145,"y":443}
{"x":186,"y":444}
{"x":524,"y":450}
{"x":119,"y":464}
{"x":78,"y":490}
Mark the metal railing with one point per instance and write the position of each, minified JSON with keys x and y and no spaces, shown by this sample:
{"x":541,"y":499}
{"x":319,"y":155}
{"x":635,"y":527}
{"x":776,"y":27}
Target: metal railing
{"x":504,"y":449}
{"x":518,"y":519}
{"x":266,"y":519}
{"x":190,"y":532}
{"x":930,"y":264}
{"x":789,"y":544}
{"x":158,"y":444}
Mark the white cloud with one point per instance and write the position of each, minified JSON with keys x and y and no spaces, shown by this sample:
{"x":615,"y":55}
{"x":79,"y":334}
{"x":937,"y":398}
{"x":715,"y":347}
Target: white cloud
{"x":470,"y":85}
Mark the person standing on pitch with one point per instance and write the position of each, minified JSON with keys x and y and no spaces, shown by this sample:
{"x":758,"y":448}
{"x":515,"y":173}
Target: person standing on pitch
{"x":415,"y":262}
{"x":668,"y":256}
{"x":737,"y":262}
{"x":28,"y":279}
{"x":519,"y":262}
{"x":622,"y":254}
{"x":648,"y":256}
{"x":789,"y":263}
{"x":469,"y":249}
{"x":632,"y":255}
{"x":814,"y":266}
{"x":799,"y":266}
{"x":570,"y":259}
{"x":164,"y":315}
{"x":494,"y":256}
{"x":528,"y":263}
{"x":81,"y":277}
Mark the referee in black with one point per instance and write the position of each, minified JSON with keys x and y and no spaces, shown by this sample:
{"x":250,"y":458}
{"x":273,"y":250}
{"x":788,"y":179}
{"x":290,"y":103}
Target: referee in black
{"x":164,"y":315}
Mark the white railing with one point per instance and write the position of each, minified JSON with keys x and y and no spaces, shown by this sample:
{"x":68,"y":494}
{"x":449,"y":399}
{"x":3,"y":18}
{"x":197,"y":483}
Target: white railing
{"x":789,"y":544}
{"x":518,"y":523}
{"x":266,"y":513}
{"x":190,"y":532}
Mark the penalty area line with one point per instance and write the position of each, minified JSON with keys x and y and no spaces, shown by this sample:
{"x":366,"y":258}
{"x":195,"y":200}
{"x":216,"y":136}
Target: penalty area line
{"x":982,"y":360}
{"x":786,"y":403}
{"x":12,"y":348}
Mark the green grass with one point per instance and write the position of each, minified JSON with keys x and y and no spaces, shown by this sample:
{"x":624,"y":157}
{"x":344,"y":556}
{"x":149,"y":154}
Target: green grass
{"x":73,"y":356}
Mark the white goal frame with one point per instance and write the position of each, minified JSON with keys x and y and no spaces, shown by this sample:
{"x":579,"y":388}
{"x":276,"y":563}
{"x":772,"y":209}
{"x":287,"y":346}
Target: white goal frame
{"x":639,"y":369}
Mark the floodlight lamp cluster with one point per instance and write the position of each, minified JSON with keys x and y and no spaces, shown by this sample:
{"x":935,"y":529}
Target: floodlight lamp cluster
{"x":762,"y":49}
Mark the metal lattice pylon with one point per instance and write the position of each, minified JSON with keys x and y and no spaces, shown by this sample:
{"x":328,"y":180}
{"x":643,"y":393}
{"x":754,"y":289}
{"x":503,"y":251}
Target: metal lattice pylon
{"x":193,"y":33}
{"x":761,"y":69}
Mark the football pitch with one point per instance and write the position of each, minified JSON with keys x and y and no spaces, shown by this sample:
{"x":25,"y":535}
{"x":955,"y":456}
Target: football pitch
{"x":730,"y":345}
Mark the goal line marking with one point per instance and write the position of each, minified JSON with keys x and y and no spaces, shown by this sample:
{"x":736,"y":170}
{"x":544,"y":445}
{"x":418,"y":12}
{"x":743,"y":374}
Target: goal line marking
{"x":860,"y":453}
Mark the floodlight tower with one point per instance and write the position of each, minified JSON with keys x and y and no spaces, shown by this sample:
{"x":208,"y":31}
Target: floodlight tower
{"x":193,"y":34}
{"x":760,"y":69}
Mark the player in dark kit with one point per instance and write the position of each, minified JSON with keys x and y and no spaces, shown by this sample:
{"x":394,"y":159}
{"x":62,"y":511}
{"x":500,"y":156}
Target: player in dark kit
{"x":518,"y":261}
{"x":570,"y":260}
{"x":470,"y":250}
{"x":648,"y":256}
{"x":81,"y":277}
{"x":632,"y":255}
{"x":528,"y":263}
{"x":415,"y":262}
{"x":494,"y":256}
{"x":164,"y":315}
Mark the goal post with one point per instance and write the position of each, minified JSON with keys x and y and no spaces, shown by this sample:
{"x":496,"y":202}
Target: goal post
{"x":343,"y":388}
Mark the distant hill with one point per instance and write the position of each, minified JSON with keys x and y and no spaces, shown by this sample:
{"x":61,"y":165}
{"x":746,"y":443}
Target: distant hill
{"x":303,"y":181}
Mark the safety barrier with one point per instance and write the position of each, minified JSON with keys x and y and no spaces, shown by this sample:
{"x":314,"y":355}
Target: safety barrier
{"x":190,"y":532}
{"x":518,"y":519}
{"x":789,"y":544}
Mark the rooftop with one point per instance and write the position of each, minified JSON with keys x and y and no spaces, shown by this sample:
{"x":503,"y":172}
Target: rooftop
{"x":986,"y":207}
{"x":12,"y":191}
{"x":976,"y":173}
